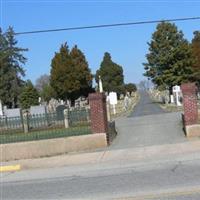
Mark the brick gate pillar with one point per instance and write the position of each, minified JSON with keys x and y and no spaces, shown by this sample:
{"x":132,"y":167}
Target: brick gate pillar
{"x":189,"y":91}
{"x":98,"y":114}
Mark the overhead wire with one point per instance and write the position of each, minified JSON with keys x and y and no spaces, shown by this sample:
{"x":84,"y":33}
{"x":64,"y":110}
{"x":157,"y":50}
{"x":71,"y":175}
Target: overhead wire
{"x":107,"y":25}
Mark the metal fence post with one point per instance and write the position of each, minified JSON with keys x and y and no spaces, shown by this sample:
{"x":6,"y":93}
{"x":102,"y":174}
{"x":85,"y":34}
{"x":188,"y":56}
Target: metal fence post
{"x":88,"y":114}
{"x":66,"y":118}
{"x":25,"y":122}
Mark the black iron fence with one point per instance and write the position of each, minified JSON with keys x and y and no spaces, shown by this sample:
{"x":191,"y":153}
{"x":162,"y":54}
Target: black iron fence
{"x":44,"y":126}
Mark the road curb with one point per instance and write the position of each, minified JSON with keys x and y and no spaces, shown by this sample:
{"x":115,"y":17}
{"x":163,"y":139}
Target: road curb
{"x":138,"y":154}
{"x":10,"y":168}
{"x":166,"y":193}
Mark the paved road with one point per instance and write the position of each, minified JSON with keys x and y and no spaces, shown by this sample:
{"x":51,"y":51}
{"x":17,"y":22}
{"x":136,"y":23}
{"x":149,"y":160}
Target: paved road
{"x":174,"y":179}
{"x":148,"y":125}
{"x":146,"y":106}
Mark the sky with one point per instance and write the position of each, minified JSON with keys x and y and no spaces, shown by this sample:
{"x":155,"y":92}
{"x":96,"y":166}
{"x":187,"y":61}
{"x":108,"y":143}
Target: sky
{"x":127,"y":45}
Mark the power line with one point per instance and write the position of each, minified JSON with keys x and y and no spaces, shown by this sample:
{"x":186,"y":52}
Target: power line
{"x":107,"y":25}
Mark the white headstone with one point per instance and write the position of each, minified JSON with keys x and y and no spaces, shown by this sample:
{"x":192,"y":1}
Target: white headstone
{"x":177,"y":93}
{"x":113,"y":98}
{"x":15,"y":112}
{"x":121,"y":96}
{"x":53,"y":103}
{"x":176,"y":88}
{"x":126,"y":102}
{"x":100,"y":85}
{"x":172,"y":98}
{"x":1,"y":109}
{"x":35,"y":110}
{"x":107,"y":98}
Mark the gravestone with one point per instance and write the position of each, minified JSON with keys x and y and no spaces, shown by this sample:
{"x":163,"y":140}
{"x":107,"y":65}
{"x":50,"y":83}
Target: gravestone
{"x":100,"y":85}
{"x":121,"y":96}
{"x":172,"y":98}
{"x":83,"y":102}
{"x":38,"y":110}
{"x":107,"y":99}
{"x":38,"y":113}
{"x":60,"y":112}
{"x":77,"y":103}
{"x":128,"y":94}
{"x":39,"y":100}
{"x":177,"y":95}
{"x":126,"y":102}
{"x":1,"y":109}
{"x":53,"y":103}
{"x":15,"y":112}
{"x":113,"y":100}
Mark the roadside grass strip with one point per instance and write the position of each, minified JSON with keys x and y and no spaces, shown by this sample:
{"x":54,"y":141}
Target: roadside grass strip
{"x":10,"y":168}
{"x":44,"y":134}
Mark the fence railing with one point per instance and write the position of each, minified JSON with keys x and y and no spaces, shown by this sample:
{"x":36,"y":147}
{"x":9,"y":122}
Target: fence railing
{"x":11,"y":124}
{"x":78,"y":117}
{"x":44,"y":126}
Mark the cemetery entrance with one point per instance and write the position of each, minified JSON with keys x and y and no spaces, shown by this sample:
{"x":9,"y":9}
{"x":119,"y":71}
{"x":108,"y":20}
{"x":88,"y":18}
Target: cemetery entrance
{"x":148,"y":125}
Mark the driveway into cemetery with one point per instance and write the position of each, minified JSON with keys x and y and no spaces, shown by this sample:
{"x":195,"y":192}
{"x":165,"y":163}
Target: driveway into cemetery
{"x":148,"y":125}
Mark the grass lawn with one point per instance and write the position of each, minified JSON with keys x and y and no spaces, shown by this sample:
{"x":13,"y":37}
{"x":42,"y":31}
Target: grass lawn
{"x":170,"y":107}
{"x":45,"y":134}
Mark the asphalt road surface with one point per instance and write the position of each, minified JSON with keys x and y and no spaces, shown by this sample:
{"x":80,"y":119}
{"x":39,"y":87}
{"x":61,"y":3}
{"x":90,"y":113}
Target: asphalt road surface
{"x":146,"y":106}
{"x":168,"y":180}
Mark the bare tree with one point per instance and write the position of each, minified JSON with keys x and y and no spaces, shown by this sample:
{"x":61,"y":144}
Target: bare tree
{"x":41,"y":82}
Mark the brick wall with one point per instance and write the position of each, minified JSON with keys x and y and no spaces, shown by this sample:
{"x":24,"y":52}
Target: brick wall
{"x":189,"y":91}
{"x":98,"y":113}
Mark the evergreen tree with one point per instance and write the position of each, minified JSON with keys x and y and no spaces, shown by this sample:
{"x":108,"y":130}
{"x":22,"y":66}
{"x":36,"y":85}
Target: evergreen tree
{"x":196,"y":54}
{"x":29,"y":96}
{"x":111,"y":75}
{"x":70,"y":74}
{"x":130,"y":87}
{"x":170,"y":57}
{"x":60,"y":71}
{"x":83,"y":74}
{"x":11,"y":61}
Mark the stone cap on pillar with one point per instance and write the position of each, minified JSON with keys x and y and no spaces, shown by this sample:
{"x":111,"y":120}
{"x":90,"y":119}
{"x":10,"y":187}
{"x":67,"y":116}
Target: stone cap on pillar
{"x":188,"y":88}
{"x":97,"y":95}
